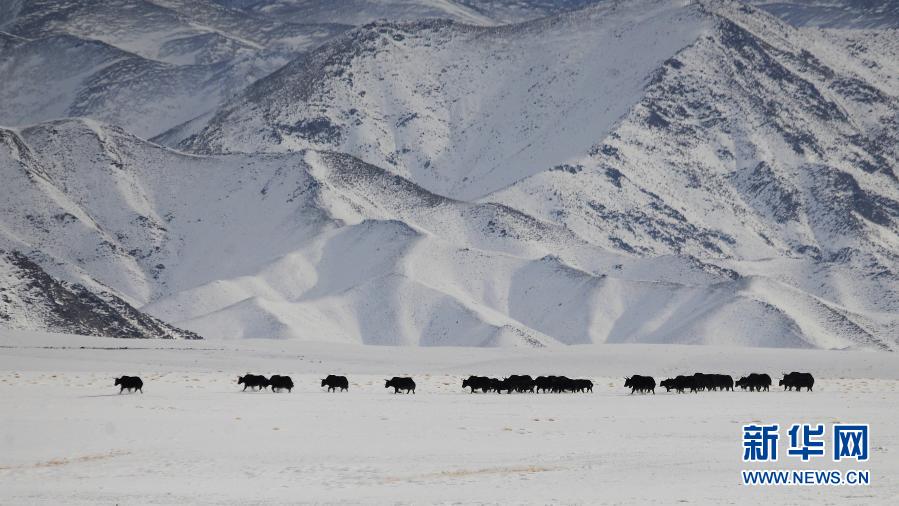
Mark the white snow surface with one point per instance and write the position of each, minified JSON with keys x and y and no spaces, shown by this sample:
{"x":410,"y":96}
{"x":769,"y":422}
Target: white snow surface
{"x":193,"y":437}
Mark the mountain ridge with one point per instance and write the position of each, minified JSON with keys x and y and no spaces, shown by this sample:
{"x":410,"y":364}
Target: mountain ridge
{"x":657,"y":172}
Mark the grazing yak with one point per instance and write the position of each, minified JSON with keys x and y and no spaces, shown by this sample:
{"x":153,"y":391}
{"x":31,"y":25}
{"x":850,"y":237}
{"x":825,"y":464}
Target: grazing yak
{"x":279,"y":383}
{"x":712,"y":382}
{"x":581,"y":385}
{"x":679,"y":384}
{"x":518,"y":383}
{"x":669,"y":384}
{"x":755,"y":382}
{"x":759,"y":381}
{"x":131,"y":383}
{"x":701,"y":382}
{"x":254,"y":381}
{"x":335,"y":382}
{"x":641,"y":384}
{"x":560,"y":384}
{"x":481,"y":383}
{"x":542,"y":384}
{"x":495,"y":385}
{"x":722,"y":382}
{"x":666,"y":384}
{"x":406,"y":384}
{"x":797,"y":380}
{"x":563,"y":384}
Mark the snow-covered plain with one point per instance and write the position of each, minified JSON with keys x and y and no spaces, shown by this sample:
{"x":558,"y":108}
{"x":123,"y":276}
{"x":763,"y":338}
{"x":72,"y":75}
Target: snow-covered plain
{"x":66,"y":436}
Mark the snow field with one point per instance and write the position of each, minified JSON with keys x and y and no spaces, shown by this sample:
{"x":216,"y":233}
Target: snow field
{"x":194,"y":437}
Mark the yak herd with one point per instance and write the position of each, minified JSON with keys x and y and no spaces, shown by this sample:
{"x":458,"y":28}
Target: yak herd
{"x":278,"y":382}
{"x":525,"y":383}
{"x":257,"y":382}
{"x":697,"y":382}
{"x":710,"y":382}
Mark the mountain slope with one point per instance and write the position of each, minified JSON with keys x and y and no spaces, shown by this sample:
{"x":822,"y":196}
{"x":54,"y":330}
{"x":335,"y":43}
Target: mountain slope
{"x":319,"y":245}
{"x":775,"y":146}
{"x":460,"y":110}
{"x":741,"y":113}
{"x":651,"y":171}
{"x":148,"y":65}
{"x":173,"y":31}
{"x":863,"y":14}
{"x":31,"y":299}
{"x":744,"y":142}
{"x":62,"y":76}
{"x":360,"y":12}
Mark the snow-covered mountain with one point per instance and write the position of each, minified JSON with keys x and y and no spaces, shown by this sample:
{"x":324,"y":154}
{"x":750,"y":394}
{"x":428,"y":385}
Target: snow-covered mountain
{"x":840,"y":14}
{"x":147,"y":65}
{"x":319,"y":245}
{"x":360,"y":12}
{"x":647,"y":171}
{"x":32,"y":299}
{"x":155,"y":64}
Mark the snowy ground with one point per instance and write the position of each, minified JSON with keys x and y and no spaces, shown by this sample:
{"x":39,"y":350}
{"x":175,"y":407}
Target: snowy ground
{"x":193,"y":437}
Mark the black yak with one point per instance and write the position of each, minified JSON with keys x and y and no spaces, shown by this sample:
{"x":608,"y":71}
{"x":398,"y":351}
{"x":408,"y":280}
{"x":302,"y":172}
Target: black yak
{"x":481,"y":383}
{"x":254,"y":381}
{"x":639,"y":383}
{"x":712,"y":382}
{"x":582,"y":385}
{"x":682,"y":383}
{"x":722,"y":382}
{"x":562,"y":384}
{"x":759,"y":381}
{"x":685,"y":382}
{"x":131,"y":383}
{"x":279,"y":383}
{"x":491,"y":385}
{"x":668,"y":384}
{"x":406,"y":384}
{"x":334,"y":382}
{"x":701,"y":382}
{"x":797,"y":380}
{"x":518,"y":383}
{"x":755,"y":382}
{"x":544,"y":383}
